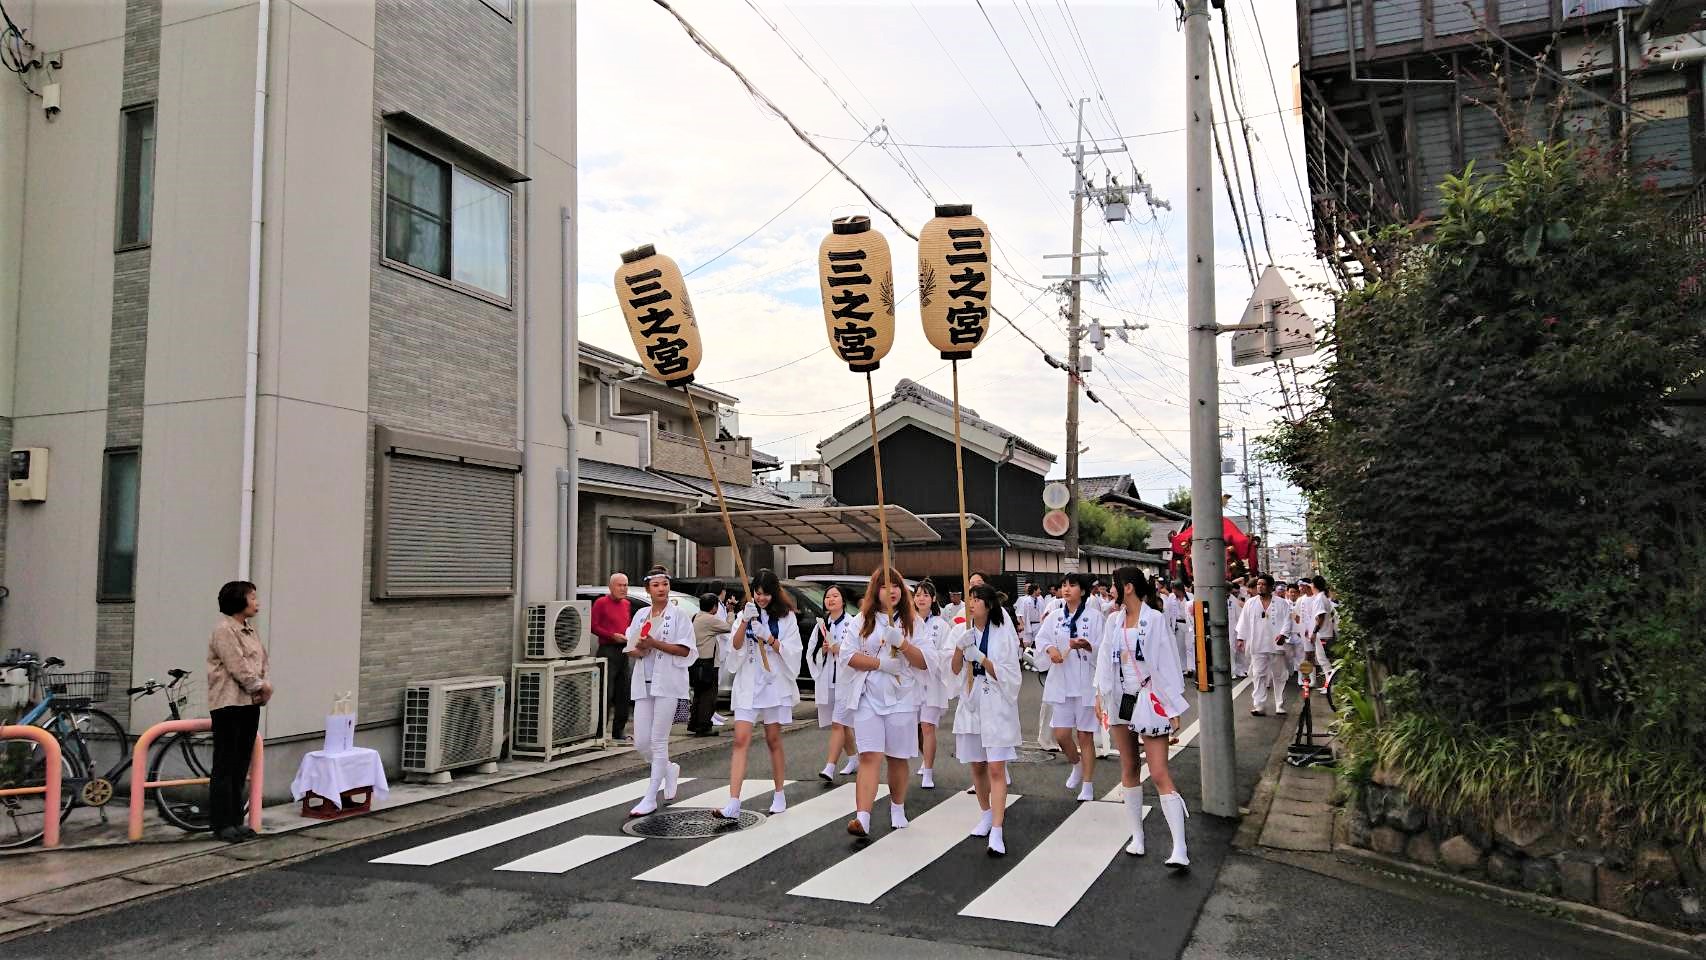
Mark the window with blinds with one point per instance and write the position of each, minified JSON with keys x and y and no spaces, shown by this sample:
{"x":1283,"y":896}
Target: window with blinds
{"x":445,"y":517}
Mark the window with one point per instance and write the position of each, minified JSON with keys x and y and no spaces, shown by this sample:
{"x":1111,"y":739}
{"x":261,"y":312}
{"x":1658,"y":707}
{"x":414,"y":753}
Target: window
{"x":446,"y":222}
{"x":630,"y":553}
{"x":444,"y":517}
{"x":136,"y":178}
{"x":119,"y":484}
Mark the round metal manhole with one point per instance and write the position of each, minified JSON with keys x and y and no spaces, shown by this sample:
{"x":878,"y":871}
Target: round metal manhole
{"x":688,"y":824}
{"x":1035,"y":756}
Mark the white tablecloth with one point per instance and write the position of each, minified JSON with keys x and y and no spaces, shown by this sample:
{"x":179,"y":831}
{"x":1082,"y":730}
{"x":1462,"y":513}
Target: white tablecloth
{"x":330,"y":774}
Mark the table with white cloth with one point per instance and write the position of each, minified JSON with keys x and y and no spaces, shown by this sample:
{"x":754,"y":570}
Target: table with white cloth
{"x":333,"y":776}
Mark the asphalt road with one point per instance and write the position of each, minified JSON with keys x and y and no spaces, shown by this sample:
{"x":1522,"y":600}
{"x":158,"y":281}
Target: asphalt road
{"x":343,"y":905}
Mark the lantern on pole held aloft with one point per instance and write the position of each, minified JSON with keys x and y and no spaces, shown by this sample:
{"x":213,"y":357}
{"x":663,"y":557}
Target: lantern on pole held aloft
{"x":660,"y":317}
{"x":857,"y":280}
{"x":954,"y":280}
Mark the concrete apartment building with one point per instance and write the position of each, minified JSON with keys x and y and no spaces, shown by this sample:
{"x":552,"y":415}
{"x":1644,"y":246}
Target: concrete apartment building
{"x":406,"y":406}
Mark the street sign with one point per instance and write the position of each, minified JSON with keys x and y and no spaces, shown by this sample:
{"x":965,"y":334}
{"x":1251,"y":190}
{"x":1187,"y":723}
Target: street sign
{"x":1055,"y":523}
{"x":1056,"y":496}
{"x":1288,"y":317}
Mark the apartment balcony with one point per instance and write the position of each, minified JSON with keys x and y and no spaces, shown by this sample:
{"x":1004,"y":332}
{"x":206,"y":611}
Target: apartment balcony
{"x":676,"y":453}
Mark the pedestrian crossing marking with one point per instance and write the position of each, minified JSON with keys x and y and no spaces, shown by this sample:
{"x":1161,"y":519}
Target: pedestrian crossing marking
{"x":564,"y":857}
{"x":1054,"y":876}
{"x":714,"y":798}
{"x":710,"y":862}
{"x":462,"y":844}
{"x":884,"y":865}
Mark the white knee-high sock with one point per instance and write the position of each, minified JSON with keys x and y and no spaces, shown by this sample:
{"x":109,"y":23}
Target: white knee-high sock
{"x":1134,"y":816}
{"x":1173,"y":808}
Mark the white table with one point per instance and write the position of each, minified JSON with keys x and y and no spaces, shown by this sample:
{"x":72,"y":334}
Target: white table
{"x":330,"y":775}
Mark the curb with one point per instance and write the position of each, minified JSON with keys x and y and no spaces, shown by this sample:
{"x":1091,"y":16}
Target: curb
{"x":618,"y":766}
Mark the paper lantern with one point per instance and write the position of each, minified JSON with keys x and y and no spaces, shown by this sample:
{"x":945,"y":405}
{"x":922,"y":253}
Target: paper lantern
{"x":660,"y":317}
{"x":857,"y":281}
{"x":954,"y":280}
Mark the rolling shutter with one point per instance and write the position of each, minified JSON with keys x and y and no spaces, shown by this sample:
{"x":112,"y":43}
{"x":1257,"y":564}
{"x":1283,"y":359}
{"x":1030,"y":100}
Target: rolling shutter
{"x":446,"y":527}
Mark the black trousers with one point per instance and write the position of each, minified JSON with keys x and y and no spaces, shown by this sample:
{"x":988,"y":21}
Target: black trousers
{"x":616,"y":690}
{"x":702,"y":676}
{"x":233,"y":744}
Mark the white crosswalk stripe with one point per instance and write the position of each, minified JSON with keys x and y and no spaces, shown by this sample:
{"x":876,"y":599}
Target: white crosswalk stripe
{"x":886,"y":864}
{"x":708,"y":863}
{"x":715,"y":797}
{"x":564,"y":857}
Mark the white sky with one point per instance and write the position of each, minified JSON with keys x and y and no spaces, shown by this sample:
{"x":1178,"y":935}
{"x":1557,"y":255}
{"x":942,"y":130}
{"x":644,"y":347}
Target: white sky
{"x":674,"y":152}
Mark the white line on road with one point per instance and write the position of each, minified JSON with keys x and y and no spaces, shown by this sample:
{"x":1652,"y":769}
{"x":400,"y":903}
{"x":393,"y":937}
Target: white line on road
{"x":884,"y":865}
{"x":706,"y":864}
{"x":567,"y":856}
{"x":463,"y":844}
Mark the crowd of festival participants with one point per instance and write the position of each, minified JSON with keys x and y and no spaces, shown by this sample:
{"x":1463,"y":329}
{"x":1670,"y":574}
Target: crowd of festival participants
{"x":890,"y":664}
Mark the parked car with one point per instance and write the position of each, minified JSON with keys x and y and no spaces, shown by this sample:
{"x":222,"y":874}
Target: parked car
{"x":637,"y":598}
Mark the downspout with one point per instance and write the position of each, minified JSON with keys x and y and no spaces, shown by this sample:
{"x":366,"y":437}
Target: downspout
{"x":569,"y":479}
{"x":252,"y":346}
{"x":525,"y":328}
{"x":1006,"y":458}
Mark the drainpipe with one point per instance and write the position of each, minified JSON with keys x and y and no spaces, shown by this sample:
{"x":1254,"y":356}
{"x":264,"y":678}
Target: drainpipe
{"x":252,"y":347}
{"x":1006,"y":458}
{"x":569,"y":478}
{"x":525,"y":329}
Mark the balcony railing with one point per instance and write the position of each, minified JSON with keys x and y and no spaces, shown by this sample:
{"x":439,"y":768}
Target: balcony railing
{"x":1690,"y":212}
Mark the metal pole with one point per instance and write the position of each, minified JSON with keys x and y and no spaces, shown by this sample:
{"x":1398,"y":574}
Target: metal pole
{"x":569,"y":479}
{"x":1244,"y":475}
{"x":1208,"y":541}
{"x":1071,"y":558}
{"x":1262,"y":558}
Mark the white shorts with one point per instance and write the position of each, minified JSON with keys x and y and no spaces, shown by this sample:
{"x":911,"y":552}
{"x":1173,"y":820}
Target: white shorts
{"x":931,"y":715}
{"x":764,"y":715}
{"x":1077,"y":713}
{"x":894,"y":735}
{"x":969,"y":748}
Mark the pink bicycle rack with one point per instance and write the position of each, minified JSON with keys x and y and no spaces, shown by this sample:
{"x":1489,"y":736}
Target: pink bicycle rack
{"x":50,"y":750}
{"x":139,"y":782}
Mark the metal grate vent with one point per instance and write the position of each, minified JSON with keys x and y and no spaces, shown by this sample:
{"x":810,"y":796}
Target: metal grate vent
{"x":469,"y":718}
{"x":688,"y":824}
{"x":575,"y":708}
{"x":417,"y":704}
{"x":528,"y":686}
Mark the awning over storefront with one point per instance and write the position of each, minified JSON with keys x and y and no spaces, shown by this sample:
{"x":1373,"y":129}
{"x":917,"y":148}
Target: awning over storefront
{"x":815,"y":528}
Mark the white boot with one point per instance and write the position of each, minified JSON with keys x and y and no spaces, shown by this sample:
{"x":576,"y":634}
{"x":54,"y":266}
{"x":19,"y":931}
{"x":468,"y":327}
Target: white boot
{"x":927,"y":777}
{"x":851,"y":766}
{"x":1173,"y":808}
{"x":997,"y":844}
{"x":778,"y":802}
{"x":985,"y":823}
{"x":827,"y":774}
{"x":649,"y":803}
{"x":1134,"y":813}
{"x":730,"y":810}
{"x":671,"y":778}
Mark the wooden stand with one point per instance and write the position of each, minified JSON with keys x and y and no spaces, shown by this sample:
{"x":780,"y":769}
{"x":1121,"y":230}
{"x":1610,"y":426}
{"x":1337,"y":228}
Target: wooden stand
{"x":316,"y":807}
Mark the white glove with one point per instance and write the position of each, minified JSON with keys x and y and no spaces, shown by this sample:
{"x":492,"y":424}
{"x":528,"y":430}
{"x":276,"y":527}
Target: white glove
{"x":760,"y":629}
{"x":891,"y":666}
{"x":967,"y":639}
{"x":974,"y":654}
{"x":894,"y":638}
{"x":750,"y":611}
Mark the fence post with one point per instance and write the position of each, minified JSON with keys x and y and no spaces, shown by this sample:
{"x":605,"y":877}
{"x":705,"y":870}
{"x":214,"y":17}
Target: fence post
{"x":139,"y":764}
{"x":55,"y":773}
{"x":255,"y":768}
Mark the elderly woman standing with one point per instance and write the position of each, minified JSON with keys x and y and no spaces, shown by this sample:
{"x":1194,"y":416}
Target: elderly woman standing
{"x":237,"y":688}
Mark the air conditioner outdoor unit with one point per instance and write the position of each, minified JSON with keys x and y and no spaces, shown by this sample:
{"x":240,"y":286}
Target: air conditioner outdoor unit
{"x":452,"y":723}
{"x":559,"y":708}
{"x":559,"y":630}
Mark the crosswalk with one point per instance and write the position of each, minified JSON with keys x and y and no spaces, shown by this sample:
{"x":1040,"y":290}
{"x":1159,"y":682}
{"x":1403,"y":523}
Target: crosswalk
{"x":1041,"y":889}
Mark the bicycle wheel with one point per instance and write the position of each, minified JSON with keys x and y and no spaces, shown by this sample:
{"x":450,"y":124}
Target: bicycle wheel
{"x":23,"y":763}
{"x":183,"y":756}
{"x":105,"y":744}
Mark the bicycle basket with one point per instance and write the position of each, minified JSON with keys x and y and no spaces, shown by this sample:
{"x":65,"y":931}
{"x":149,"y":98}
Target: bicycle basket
{"x":190,"y":699}
{"x":87,"y":683}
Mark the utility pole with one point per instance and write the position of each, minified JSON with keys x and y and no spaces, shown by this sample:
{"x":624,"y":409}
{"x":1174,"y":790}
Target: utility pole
{"x":1208,"y":543}
{"x":1244,"y":477}
{"x":1265,"y":557}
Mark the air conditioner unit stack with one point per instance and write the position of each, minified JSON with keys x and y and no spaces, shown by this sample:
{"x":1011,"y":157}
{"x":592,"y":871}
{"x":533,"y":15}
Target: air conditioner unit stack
{"x":559,"y":630}
{"x":559,"y":708}
{"x":452,"y":723}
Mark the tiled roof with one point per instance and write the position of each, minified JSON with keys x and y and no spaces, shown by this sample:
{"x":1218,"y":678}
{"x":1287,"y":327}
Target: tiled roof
{"x":735,"y":492}
{"x":616,"y":474}
{"x":909,"y":391}
{"x":1092,"y":488}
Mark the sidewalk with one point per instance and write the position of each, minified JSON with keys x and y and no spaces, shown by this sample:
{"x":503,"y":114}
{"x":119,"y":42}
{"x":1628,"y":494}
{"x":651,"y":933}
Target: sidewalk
{"x":97,"y":868}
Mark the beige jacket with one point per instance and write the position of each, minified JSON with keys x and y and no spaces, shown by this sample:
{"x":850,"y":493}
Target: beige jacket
{"x":236,"y":664}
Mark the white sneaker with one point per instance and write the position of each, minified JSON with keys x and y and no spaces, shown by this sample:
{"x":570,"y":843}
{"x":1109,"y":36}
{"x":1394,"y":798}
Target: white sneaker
{"x":997,"y":844}
{"x":1074,"y":778}
{"x":985,"y":823}
{"x":647,"y":806}
{"x":1086,"y":792}
{"x":827,"y":774}
{"x":897,"y":816}
{"x":778,"y":802}
{"x":851,"y":766}
{"x":928,"y":778}
{"x":730,"y":810}
{"x":671,"y":779}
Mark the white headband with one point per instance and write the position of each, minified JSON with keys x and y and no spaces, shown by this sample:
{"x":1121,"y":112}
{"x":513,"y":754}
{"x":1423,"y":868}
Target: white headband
{"x":655,"y":576}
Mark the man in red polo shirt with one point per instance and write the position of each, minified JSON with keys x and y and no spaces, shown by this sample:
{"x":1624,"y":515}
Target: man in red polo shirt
{"x":611,"y":615}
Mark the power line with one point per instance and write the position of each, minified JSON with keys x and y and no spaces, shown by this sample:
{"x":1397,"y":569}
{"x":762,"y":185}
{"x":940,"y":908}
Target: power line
{"x":1061,"y":144}
{"x":1285,"y":128}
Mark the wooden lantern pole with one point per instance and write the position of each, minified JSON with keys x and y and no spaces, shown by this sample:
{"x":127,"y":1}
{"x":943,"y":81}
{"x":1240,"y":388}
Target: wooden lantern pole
{"x":960,"y":483}
{"x":723,"y":505}
{"x":877,"y":464}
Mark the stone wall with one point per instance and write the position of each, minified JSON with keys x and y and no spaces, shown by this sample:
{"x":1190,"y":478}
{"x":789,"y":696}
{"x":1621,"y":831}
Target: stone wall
{"x":1650,"y":882}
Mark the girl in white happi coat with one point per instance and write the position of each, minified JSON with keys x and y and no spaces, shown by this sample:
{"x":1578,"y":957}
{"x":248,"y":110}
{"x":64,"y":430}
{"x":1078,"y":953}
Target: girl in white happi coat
{"x":823,"y":658}
{"x":1294,"y":648}
{"x":879,"y":664}
{"x":1142,"y":692}
{"x":1181,"y":617}
{"x":984,"y":667}
{"x":933,"y":687}
{"x":661,"y":648}
{"x":1066,"y":645}
{"x":764,"y":651}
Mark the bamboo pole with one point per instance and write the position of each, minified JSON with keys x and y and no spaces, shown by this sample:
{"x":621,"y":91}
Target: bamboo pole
{"x":877,"y":464}
{"x":722,"y":505}
{"x":960,"y":485}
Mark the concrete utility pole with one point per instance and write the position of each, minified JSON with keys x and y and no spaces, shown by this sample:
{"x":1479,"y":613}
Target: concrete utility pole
{"x":1263,"y":558}
{"x":1208,"y":543}
{"x":1244,"y":475}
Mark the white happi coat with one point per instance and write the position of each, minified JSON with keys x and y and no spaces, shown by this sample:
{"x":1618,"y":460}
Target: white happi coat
{"x":1260,"y":633}
{"x":667,"y":673}
{"x":991,"y":709}
{"x":756,"y":688}
{"x":1076,"y":676}
{"x":933,"y":685}
{"x":824,"y":668}
{"x":1143,"y":661}
{"x":854,"y":687}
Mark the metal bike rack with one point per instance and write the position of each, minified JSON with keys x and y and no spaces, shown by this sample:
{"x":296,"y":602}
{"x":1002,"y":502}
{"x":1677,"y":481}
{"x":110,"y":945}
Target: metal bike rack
{"x":139,"y":782}
{"x":50,"y":747}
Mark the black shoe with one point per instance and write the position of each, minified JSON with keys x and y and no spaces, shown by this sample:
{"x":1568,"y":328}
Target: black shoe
{"x":228,"y":835}
{"x":244,"y":833}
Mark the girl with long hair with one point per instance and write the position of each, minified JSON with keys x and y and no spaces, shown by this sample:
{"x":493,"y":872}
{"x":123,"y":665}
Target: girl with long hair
{"x":934,"y":687}
{"x":661,"y":648}
{"x":1141,"y":690}
{"x":824,"y":660}
{"x":1066,"y":647}
{"x":766,"y":648}
{"x":879,"y":663}
{"x":986,"y":725}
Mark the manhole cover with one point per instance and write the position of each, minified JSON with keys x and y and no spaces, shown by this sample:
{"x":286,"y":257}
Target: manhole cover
{"x":1035,"y":756}
{"x":688,"y":824}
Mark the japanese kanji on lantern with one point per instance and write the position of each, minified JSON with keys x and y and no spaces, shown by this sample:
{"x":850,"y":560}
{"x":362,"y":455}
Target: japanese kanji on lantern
{"x":857,"y":281}
{"x":660,"y":317}
{"x":954,"y":280}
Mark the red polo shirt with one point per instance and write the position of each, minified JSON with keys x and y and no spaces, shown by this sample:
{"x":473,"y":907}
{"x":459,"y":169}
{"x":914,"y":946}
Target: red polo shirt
{"x":610,"y":619}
